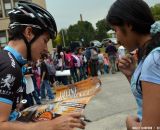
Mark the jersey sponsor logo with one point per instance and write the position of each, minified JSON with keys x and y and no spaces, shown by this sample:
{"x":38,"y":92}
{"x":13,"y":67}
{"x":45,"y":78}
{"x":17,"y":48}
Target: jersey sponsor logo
{"x":8,"y":81}
{"x":5,"y":92}
{"x":12,"y":60}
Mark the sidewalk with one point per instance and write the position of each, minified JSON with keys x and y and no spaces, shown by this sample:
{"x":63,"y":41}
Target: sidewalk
{"x":109,"y":109}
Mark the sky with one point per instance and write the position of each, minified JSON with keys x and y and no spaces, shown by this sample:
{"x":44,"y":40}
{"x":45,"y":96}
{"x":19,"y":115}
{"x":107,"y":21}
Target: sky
{"x":67,"y":12}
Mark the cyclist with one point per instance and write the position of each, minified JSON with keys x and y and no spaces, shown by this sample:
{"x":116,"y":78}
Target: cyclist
{"x":30,"y":29}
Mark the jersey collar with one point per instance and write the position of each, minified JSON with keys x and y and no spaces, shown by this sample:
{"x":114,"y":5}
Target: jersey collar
{"x":16,"y":54}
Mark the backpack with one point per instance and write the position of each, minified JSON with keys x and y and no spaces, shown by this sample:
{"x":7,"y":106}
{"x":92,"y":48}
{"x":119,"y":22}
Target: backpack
{"x":76,"y":61}
{"x":69,"y":60}
{"x":88,"y":53}
{"x":94,"y":54}
{"x":51,"y":69}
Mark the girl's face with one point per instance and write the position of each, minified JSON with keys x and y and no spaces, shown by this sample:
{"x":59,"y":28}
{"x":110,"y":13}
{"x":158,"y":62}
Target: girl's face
{"x":80,"y":51}
{"x":126,"y":37}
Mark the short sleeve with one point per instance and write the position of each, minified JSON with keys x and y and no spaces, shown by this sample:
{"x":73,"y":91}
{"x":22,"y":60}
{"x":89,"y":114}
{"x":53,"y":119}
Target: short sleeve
{"x":151,"y":68}
{"x":10,"y":79}
{"x":9,"y":83}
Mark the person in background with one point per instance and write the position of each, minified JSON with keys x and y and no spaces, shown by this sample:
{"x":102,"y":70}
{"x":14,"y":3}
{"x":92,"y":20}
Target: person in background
{"x":136,"y":28}
{"x":61,"y":65}
{"x":29,"y":85}
{"x":111,"y":50}
{"x":84,"y":62}
{"x":121,"y":52}
{"x":45,"y":83}
{"x":87,"y":54}
{"x":106,"y":64}
{"x":70,"y":65}
{"x":51,"y":70}
{"x":81,"y":68}
{"x":100,"y":62}
{"x":38,"y":74}
{"x":94,"y":61}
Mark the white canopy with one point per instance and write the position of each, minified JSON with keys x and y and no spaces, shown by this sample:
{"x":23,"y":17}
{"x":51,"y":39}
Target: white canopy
{"x":111,"y":32}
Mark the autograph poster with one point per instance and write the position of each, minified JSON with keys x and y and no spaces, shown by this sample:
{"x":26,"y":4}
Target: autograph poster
{"x":69,"y":98}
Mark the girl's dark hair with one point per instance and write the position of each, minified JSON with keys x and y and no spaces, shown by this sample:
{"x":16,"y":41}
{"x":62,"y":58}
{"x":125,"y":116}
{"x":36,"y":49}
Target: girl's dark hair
{"x":153,"y":43}
{"x":17,"y":32}
{"x":59,"y":48}
{"x":137,"y":14}
{"x":134,"y":12}
{"x":43,"y":56}
{"x":68,"y":50}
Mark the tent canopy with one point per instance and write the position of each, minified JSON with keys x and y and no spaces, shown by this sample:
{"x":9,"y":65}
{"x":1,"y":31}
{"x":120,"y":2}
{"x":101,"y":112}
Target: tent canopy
{"x":111,"y":32}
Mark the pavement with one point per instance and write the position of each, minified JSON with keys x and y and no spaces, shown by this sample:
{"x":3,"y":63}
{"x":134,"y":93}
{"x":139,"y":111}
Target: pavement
{"x":109,"y":109}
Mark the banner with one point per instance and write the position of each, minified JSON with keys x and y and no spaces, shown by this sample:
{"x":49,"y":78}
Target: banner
{"x":69,"y":98}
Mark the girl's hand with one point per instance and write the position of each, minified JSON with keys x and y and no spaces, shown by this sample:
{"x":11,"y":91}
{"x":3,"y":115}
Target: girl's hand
{"x":127,"y":65}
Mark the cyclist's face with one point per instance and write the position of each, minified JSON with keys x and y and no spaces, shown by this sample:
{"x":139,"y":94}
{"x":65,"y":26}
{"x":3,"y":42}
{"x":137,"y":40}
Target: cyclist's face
{"x":40,"y":46}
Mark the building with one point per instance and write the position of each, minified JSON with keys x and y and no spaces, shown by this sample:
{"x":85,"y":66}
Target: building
{"x":5,"y":7}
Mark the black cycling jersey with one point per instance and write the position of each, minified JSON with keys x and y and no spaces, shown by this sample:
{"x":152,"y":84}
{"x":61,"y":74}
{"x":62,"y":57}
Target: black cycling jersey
{"x":10,"y":79}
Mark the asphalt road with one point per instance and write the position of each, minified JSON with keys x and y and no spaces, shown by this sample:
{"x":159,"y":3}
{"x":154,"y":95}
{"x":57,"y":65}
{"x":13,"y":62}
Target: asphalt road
{"x":109,"y":109}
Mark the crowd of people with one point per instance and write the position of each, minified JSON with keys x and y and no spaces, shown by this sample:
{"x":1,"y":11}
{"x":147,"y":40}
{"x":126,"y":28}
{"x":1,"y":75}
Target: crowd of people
{"x":81,"y":62}
{"x":30,"y":29}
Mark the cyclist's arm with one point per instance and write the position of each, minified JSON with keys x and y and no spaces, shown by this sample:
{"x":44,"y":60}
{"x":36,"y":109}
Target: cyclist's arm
{"x":67,"y":122}
{"x":6,"y":125}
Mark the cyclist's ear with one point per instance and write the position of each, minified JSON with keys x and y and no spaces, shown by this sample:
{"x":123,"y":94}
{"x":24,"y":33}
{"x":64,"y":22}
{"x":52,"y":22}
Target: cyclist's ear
{"x":28,"y":33}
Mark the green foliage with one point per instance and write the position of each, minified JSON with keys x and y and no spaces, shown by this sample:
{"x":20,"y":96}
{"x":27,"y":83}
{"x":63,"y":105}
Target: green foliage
{"x":57,"y":41}
{"x":156,"y":11}
{"x":102,"y":28}
{"x":82,"y":31}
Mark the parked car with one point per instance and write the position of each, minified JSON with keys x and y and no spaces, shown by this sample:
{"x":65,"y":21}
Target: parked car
{"x":96,"y":43}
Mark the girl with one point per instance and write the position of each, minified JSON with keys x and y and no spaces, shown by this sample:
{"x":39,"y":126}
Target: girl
{"x":135,"y":28}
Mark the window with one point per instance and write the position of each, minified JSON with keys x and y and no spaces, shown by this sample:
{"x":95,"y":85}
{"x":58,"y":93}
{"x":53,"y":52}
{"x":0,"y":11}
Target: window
{"x":15,"y":2}
{"x":1,"y":10}
{"x":7,"y":6}
{"x":29,"y":0}
{"x":3,"y":38}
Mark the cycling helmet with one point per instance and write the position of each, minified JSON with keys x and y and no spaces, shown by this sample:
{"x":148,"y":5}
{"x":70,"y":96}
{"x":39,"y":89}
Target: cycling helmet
{"x":30,"y":14}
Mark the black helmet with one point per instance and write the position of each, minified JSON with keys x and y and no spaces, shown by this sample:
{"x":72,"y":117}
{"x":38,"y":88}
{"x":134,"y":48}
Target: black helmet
{"x":30,"y":14}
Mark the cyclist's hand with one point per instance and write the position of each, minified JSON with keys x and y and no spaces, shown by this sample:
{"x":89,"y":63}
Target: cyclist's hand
{"x":68,"y":122}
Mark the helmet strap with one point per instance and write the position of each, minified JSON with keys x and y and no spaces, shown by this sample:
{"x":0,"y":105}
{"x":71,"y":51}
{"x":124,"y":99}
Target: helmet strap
{"x":28,"y":45}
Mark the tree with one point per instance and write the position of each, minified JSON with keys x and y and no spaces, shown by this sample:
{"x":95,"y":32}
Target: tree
{"x":57,"y":41}
{"x":102,"y":28}
{"x":156,"y":11}
{"x":82,"y":31}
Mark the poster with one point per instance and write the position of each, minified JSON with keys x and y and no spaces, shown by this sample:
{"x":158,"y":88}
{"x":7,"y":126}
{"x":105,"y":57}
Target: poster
{"x":68,"y":99}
